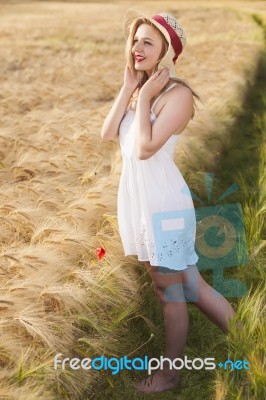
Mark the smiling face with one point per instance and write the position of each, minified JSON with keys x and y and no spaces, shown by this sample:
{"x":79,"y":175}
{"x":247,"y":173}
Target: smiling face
{"x":147,"y":48}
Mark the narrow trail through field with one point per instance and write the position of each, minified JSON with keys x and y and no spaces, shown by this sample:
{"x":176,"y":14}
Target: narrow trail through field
{"x":246,"y":136}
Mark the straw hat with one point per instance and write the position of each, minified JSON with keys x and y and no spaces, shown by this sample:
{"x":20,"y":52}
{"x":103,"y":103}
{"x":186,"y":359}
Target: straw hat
{"x":170,"y":28}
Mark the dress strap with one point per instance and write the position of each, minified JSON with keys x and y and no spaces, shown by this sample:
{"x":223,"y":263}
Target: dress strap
{"x":170,"y":87}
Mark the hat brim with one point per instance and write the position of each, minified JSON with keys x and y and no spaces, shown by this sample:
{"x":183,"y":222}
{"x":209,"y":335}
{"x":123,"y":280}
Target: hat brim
{"x":130,"y":15}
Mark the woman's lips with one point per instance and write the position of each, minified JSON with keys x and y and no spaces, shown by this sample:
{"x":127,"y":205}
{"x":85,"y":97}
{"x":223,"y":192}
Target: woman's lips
{"x":139,"y":59}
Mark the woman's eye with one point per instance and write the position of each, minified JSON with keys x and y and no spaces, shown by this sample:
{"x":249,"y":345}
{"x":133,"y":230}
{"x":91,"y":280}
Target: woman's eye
{"x":134,"y":41}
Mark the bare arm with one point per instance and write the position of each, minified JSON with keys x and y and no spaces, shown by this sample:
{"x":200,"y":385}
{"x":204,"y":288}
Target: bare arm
{"x":173,"y":118}
{"x":143,"y":125}
{"x":110,"y":128}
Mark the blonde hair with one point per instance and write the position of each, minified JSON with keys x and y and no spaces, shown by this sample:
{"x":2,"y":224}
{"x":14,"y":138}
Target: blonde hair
{"x":142,"y":76}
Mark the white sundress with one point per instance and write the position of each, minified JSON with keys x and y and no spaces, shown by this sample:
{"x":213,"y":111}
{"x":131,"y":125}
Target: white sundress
{"x":155,"y":211}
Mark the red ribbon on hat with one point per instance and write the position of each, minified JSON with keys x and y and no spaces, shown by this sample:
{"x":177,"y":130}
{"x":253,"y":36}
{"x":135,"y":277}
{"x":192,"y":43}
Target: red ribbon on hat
{"x":175,"y":40}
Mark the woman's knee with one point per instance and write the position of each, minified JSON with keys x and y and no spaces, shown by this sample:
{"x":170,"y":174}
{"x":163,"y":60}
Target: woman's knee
{"x":170,"y":294}
{"x":169,"y":287}
{"x":191,"y":284}
{"x":173,"y":286}
{"x":196,"y":288}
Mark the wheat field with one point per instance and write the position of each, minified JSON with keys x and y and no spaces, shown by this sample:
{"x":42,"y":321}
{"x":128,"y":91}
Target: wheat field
{"x":61,"y":67}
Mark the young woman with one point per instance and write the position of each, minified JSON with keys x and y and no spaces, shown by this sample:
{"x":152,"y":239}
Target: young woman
{"x":156,"y":216}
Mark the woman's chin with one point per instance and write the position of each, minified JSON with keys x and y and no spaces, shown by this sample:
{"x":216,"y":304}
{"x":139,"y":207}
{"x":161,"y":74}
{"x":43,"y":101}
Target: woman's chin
{"x":139,"y":67}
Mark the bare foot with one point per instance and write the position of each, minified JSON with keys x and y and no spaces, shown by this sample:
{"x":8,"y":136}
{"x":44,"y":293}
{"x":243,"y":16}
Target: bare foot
{"x":159,"y":382}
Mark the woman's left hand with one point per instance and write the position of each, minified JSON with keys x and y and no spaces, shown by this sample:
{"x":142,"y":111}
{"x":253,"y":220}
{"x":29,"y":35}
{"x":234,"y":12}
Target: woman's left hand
{"x":155,"y":83}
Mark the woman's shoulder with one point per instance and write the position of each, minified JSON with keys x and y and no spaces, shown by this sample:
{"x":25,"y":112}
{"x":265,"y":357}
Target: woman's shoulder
{"x":174,"y":87}
{"x":175,"y":90}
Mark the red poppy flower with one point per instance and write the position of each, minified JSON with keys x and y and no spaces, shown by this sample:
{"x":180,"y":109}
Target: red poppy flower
{"x":100,"y":252}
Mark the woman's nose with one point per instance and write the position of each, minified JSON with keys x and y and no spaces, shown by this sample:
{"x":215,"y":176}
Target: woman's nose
{"x":137,"y":46}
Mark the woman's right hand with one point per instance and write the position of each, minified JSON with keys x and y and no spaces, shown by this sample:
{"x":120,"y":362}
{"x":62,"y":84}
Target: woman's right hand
{"x":130,"y":79}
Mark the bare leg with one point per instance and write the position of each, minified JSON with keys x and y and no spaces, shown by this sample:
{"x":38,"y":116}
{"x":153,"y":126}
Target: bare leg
{"x":187,"y":285}
{"x":176,"y":322}
{"x":209,"y":301}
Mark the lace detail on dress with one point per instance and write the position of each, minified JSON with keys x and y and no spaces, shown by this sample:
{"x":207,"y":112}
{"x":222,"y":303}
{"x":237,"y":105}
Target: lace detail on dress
{"x":173,"y":247}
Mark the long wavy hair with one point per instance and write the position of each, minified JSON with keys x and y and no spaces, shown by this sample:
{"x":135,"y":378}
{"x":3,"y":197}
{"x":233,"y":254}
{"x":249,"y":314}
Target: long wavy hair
{"x":142,"y":75}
